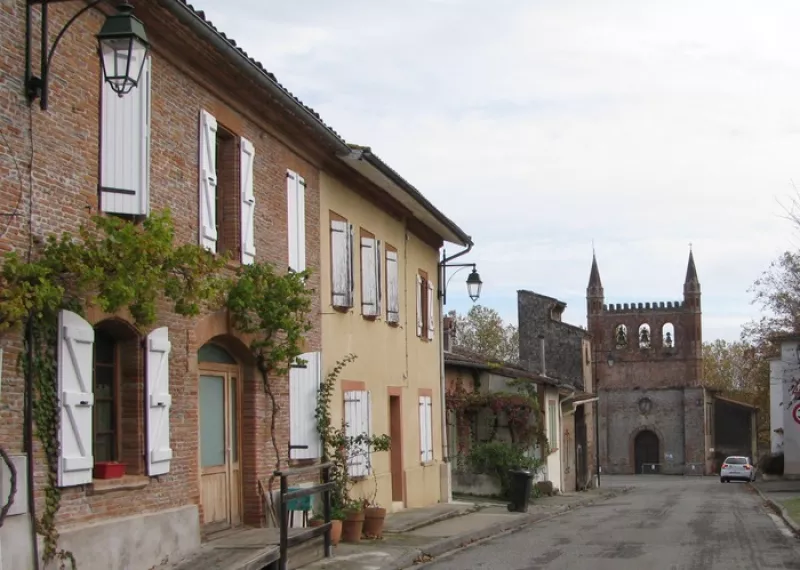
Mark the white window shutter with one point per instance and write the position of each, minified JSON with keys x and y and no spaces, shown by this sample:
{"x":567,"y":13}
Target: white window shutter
{"x":341,"y":290}
{"x":159,"y":402}
{"x":125,"y":148}
{"x":378,"y":275}
{"x":369,"y":288}
{"x":429,"y":427}
{"x":207,"y":206}
{"x":246,"y":155}
{"x":356,"y":409}
{"x":431,"y":313}
{"x":392,"y":288}
{"x":76,"y":395}
{"x":303,"y":390}
{"x":351,"y":279}
{"x":291,"y":219}
{"x":419,"y":305}
{"x":301,"y":224}
{"x":423,"y":439}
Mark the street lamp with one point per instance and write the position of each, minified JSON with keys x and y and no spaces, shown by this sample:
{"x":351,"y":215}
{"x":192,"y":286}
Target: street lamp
{"x":474,"y":283}
{"x":122,"y":47}
{"x":610,"y":360}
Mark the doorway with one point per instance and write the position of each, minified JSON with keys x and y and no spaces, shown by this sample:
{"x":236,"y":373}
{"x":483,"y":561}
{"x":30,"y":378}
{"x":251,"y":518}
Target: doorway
{"x":396,"y":450}
{"x":220,"y":472}
{"x":645,"y":451}
{"x":582,"y":472}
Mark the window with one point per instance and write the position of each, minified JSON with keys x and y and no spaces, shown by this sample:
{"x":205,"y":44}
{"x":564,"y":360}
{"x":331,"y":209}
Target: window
{"x":125,"y":148}
{"x":116,"y":398}
{"x":425,"y":427}
{"x":370,"y":274}
{"x":357,"y":408}
{"x":644,"y":336}
{"x":668,"y":335}
{"x":341,"y":262}
{"x":392,"y":286}
{"x":296,"y":199}
{"x":425,"y":309}
{"x":227,"y":198}
{"x":552,"y":425}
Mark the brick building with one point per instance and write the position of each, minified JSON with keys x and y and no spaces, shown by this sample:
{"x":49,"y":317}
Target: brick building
{"x":212,"y":135}
{"x":655,"y":413}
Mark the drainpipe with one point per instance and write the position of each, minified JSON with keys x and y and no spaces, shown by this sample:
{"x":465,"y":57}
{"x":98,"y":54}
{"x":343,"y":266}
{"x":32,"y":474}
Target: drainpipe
{"x":542,"y":360}
{"x":447,"y":493}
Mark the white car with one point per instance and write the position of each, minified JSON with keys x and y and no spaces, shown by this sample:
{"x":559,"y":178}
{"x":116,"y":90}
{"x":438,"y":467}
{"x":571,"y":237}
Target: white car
{"x":737,"y":467}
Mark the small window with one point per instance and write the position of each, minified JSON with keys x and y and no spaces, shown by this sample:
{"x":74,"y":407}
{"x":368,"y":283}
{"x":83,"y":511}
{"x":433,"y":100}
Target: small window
{"x":370,"y":274}
{"x":425,"y":306}
{"x":342,"y":282}
{"x":392,"y":286}
{"x":106,"y":394}
{"x":621,"y":336}
{"x":668,"y":335}
{"x":227,"y":195}
{"x":644,"y":336}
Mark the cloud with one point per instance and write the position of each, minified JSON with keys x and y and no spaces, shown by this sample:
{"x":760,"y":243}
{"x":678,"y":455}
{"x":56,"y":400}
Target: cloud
{"x":540,"y":127}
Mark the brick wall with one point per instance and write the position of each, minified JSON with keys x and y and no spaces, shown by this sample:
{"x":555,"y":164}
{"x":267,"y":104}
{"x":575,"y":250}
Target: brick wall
{"x":51,"y":172}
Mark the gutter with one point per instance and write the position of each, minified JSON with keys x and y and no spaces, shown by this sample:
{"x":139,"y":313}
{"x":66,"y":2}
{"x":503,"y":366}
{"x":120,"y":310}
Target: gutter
{"x":206,"y":32}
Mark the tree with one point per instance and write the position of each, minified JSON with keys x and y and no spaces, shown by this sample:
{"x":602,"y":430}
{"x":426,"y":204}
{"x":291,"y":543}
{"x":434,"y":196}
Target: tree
{"x":740,"y":371}
{"x":483,"y":331}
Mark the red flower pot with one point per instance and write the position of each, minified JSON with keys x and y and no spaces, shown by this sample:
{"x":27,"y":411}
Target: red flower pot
{"x":108,"y":470}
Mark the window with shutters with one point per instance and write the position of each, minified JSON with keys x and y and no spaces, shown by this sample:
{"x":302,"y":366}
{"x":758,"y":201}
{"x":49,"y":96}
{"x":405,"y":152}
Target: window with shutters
{"x":425,"y":426}
{"x":426,"y":313}
{"x":226,"y":196}
{"x":342,"y":281}
{"x":392,"y":286}
{"x":371,"y":294}
{"x":296,"y":201}
{"x":357,"y":417}
{"x":117,"y":383}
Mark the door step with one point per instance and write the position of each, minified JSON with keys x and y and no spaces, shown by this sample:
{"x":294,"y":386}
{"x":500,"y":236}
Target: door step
{"x":398,"y":506}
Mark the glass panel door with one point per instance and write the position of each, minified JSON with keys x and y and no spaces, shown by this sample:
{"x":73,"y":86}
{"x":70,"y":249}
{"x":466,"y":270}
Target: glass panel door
{"x":212,"y":421}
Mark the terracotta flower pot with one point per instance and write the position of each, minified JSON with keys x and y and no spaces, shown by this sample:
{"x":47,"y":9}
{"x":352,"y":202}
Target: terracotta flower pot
{"x":373,"y":522}
{"x":336,"y":532}
{"x":352,"y":526}
{"x":314,"y":523}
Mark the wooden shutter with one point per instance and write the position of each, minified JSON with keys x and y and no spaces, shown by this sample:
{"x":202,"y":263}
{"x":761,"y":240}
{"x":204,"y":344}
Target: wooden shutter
{"x":296,"y":200}
{"x":125,"y":148}
{"x":419,"y":305}
{"x":431,"y":313}
{"x":341,"y":264}
{"x":356,"y":416}
{"x":369,"y":274}
{"x":392,"y":288}
{"x":429,"y":427}
{"x":75,"y":391}
{"x":425,"y":451}
{"x":159,"y":402}
{"x":378,"y":282}
{"x":303,"y":391}
{"x":246,"y":155}
{"x":208,"y":181}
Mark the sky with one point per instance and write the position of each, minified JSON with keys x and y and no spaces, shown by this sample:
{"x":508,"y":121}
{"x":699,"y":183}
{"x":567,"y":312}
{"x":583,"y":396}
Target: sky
{"x":542,"y":128}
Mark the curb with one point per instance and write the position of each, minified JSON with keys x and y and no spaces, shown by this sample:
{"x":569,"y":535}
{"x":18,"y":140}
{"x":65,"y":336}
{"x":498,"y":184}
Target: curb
{"x":777,"y":507}
{"x":464,"y":540}
{"x":435,"y":519}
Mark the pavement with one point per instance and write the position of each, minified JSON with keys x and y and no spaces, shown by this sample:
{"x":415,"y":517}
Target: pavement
{"x":664,"y":522}
{"x":415,"y":536}
{"x":779,"y":494}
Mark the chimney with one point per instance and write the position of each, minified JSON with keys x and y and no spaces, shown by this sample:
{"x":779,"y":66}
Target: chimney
{"x":541,"y":354}
{"x":448,"y":332}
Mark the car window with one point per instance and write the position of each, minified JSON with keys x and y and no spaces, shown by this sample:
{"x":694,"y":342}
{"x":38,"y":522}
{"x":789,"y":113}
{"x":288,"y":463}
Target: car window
{"x":736,"y":461}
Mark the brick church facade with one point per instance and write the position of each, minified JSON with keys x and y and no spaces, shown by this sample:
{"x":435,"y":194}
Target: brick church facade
{"x":655,"y":416}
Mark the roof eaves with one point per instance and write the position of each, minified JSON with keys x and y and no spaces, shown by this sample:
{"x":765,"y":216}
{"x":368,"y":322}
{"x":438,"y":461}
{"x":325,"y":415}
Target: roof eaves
{"x":365,"y":154}
{"x":196,"y":20}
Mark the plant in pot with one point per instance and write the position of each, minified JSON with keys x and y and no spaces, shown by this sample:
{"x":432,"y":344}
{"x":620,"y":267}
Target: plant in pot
{"x":374,"y":514}
{"x":344,"y":451}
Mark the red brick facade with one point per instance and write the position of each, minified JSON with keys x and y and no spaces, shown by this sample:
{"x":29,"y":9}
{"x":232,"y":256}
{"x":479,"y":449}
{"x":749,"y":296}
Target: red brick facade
{"x":49,"y":168}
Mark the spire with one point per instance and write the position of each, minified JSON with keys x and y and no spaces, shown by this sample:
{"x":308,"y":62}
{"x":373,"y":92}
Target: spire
{"x":691,"y":270}
{"x":594,"y":276}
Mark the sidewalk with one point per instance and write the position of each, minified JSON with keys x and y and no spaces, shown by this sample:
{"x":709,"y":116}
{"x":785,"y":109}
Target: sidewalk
{"x":417,"y":535}
{"x":784,"y":497}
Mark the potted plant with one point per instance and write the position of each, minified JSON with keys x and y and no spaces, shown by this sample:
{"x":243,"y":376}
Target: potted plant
{"x":336,"y":524}
{"x":374,"y":517}
{"x":353,"y":524}
{"x":108,"y":470}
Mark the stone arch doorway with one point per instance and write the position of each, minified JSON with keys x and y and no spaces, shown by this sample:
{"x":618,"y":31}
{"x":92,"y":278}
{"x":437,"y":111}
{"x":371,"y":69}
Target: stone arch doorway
{"x":646,"y":449}
{"x":219,"y":395}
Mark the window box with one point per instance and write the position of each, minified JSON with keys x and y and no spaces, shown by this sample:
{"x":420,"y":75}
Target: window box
{"x":108,"y":470}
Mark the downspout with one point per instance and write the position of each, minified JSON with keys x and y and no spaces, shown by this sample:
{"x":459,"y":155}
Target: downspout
{"x":442,"y":379}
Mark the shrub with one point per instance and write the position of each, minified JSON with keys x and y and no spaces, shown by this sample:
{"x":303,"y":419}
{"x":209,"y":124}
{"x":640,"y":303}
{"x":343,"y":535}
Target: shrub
{"x":771,"y":463}
{"x":496,"y":458}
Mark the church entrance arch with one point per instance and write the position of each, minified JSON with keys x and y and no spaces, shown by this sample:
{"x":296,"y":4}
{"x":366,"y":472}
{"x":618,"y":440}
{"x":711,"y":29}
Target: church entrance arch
{"x":645,"y":450}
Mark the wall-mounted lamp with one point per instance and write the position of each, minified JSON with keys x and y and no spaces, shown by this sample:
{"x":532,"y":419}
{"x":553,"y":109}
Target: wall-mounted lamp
{"x":474,"y":283}
{"x":122,"y":47}
{"x":610,"y":360}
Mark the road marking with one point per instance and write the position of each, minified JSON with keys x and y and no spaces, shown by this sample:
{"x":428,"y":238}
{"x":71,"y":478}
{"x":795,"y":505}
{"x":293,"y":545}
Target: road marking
{"x":785,"y":530}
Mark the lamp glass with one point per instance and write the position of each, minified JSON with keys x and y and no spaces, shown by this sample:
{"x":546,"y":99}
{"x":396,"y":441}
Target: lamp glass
{"x":610,"y":360}
{"x":474,"y":285}
{"x":123,"y":49}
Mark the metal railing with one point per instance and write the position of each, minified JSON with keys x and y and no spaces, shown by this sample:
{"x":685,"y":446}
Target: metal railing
{"x":286,"y":495}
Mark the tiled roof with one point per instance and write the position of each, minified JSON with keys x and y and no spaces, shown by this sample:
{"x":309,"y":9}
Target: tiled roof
{"x":201,"y":15}
{"x":459,"y":356}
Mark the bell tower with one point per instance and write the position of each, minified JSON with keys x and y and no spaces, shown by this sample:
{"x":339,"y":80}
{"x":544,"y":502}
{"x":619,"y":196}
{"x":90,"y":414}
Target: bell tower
{"x":594,"y":292}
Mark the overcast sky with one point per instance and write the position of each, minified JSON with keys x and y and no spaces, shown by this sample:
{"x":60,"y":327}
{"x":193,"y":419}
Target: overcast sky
{"x":541,"y":126}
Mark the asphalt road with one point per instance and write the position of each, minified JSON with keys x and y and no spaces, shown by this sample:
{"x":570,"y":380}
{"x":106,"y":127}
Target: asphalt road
{"x":665,"y":523}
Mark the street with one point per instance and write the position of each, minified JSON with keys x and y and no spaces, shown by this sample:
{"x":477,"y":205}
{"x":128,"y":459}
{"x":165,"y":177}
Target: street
{"x":665,"y":523}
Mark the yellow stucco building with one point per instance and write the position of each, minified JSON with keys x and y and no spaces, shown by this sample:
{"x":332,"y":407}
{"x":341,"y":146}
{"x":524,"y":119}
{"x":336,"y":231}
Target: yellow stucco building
{"x":380,"y":241}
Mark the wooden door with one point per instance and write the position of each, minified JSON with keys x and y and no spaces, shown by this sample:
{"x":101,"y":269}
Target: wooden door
{"x":646,"y":452}
{"x":220,"y":474}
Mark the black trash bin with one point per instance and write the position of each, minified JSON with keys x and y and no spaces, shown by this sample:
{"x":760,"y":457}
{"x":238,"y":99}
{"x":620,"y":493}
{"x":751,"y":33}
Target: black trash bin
{"x":519,"y":490}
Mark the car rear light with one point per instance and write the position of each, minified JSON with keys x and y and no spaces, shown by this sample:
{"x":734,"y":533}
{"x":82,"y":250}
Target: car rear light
{"x":724,"y":465}
{"x":747,"y":468}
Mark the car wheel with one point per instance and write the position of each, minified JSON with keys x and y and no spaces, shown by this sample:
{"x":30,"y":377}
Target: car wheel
{"x":721,"y":480}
